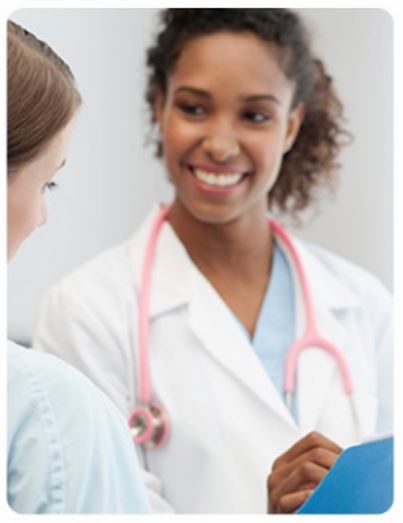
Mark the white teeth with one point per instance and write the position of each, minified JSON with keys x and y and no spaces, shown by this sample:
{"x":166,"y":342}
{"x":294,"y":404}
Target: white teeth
{"x":223,"y":180}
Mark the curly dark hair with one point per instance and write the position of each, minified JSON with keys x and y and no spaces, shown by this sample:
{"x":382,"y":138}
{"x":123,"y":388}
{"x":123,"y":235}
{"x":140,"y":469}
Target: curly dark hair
{"x":312,"y":161}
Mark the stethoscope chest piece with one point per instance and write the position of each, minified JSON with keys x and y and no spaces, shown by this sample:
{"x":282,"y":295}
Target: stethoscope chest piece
{"x":149,"y":425}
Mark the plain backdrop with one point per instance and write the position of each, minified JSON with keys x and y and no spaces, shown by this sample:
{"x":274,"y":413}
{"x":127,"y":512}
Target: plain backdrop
{"x":111,"y":177}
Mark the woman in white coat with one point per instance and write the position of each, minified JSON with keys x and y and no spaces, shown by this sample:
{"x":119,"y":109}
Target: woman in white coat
{"x":248,"y":121}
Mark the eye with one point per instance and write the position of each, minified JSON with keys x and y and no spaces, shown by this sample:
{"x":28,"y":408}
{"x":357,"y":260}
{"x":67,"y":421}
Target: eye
{"x":50,"y":186}
{"x":256,"y":116}
{"x":192,"y":109}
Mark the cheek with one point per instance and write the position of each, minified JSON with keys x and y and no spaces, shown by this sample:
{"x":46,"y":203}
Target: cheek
{"x":24,"y":215}
{"x":267,"y":152}
{"x":179,"y":138}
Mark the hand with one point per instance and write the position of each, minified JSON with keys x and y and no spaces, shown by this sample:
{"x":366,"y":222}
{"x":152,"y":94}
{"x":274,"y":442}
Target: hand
{"x":297,"y":472}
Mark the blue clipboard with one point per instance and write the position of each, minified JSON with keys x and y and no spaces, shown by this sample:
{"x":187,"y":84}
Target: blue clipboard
{"x":360,"y":482}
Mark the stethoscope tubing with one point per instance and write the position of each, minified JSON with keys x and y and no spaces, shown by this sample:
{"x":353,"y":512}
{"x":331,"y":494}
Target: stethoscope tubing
{"x":144,"y":308}
{"x":311,"y":337}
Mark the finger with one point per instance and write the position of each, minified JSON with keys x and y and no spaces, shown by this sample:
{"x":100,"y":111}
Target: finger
{"x":311,"y":440}
{"x":319,"y":455}
{"x":292,"y":502}
{"x":307,"y":473}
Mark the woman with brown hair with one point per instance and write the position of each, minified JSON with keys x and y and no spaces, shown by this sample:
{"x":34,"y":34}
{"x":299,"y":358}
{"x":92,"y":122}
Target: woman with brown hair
{"x":69,"y":449}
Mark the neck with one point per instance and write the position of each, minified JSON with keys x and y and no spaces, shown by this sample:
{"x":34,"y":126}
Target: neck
{"x":242,"y":246}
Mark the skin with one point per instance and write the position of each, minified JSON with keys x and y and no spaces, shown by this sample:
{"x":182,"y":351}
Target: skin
{"x":27,"y":187}
{"x":297,"y":472}
{"x":227,"y":108}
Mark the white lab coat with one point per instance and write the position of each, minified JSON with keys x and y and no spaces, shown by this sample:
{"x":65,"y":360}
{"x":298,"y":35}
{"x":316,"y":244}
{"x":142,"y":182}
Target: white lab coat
{"x":228,"y":422}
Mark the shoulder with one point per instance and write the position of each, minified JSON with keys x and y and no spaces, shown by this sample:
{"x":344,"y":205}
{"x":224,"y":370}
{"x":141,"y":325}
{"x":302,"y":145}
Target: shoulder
{"x":337,"y":275}
{"x":106,"y":281}
{"x":96,"y":293}
{"x":51,"y":387}
{"x":26,"y":365}
{"x":108,"y":271}
{"x":72,"y":436}
{"x":33,"y":435}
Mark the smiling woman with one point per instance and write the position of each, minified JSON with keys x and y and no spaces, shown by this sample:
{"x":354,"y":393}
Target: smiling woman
{"x":225,"y":133}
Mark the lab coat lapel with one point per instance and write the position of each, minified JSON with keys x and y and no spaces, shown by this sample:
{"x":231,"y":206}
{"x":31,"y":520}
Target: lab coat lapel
{"x":221,"y":335}
{"x":170,"y":286}
{"x":317,"y":370}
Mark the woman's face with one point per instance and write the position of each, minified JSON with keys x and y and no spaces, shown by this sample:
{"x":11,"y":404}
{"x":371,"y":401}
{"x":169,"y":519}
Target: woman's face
{"x":225,"y":124}
{"x":26,"y":190}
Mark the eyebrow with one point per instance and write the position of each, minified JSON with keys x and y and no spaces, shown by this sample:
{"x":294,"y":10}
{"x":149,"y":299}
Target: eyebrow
{"x":63,"y":163}
{"x":248,"y":98}
{"x":261,"y":97}
{"x":193,"y":90}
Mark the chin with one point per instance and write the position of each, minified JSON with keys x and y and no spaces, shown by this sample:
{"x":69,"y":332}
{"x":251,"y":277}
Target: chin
{"x":11,"y":251}
{"x":213,"y":214}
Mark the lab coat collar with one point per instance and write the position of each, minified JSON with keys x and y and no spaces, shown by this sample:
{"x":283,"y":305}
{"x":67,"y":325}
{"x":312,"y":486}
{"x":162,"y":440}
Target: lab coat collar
{"x":172,"y":263}
{"x":170,"y":286}
{"x":328,"y":288}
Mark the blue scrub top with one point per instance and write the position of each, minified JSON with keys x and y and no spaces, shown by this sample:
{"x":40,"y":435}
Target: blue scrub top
{"x":69,"y":448}
{"x":275,"y":328}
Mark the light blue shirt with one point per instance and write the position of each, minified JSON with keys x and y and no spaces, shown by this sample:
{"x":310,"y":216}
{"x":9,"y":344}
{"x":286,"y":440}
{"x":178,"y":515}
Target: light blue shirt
{"x":69,"y":448}
{"x":275,"y":328}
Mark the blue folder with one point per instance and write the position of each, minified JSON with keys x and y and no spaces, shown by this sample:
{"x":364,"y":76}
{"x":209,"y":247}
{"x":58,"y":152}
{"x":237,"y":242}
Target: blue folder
{"x":360,"y":482}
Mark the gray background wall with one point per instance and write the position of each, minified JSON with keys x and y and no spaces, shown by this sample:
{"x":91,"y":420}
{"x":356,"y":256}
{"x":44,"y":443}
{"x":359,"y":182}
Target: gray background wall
{"x":111,"y":178}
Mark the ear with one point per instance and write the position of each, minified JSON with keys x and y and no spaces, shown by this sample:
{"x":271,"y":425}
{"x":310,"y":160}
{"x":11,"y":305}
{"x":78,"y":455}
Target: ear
{"x":295,"y":120}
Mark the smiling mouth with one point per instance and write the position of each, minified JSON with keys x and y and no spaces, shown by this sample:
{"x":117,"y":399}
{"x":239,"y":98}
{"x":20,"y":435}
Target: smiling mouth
{"x":217,"y":179}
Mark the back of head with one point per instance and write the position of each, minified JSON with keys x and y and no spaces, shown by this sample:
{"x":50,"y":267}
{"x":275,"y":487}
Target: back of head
{"x":42,"y":97}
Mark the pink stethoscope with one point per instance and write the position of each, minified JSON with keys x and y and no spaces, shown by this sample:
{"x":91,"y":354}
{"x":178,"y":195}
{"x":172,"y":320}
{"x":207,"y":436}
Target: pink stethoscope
{"x":149,"y":423}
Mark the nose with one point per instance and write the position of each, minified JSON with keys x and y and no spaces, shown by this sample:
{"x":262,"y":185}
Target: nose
{"x":221,"y":143}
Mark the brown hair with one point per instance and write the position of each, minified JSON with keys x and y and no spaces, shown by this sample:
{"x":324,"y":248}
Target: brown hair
{"x":312,"y":161}
{"x":42,"y":96}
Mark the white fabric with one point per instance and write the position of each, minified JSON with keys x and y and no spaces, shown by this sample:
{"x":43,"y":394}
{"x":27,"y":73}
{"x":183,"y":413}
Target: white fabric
{"x":228,"y":421}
